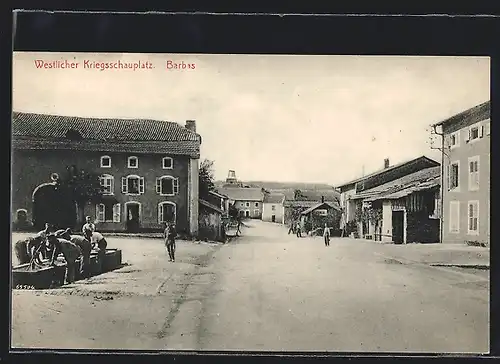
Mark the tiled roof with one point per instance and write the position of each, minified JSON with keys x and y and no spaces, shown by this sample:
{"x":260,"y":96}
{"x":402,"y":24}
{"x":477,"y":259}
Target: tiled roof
{"x":474,"y":114}
{"x":210,"y":206}
{"x":308,"y":204}
{"x":217,"y":194}
{"x":318,"y":205}
{"x":274,"y":198}
{"x":406,"y":185}
{"x":40,"y":131}
{"x":242,"y":194}
{"x":384,"y":170}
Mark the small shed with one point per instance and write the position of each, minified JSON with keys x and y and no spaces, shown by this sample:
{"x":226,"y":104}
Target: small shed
{"x":210,"y":222}
{"x":317,"y":216}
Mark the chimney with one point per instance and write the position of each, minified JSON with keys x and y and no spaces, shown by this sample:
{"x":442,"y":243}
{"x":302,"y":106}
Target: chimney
{"x":191,"y":125}
{"x":386,"y":163}
{"x":322,"y":199}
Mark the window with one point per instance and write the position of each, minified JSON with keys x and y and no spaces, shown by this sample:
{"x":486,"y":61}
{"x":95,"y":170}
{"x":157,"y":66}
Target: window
{"x":321,"y":212}
{"x":21,"y":215}
{"x":133,"y":185}
{"x":453,"y":175}
{"x":242,"y":204}
{"x":107,"y":184}
{"x":167,"y":211}
{"x":247,"y":213}
{"x":105,"y":161}
{"x":273,"y":207}
{"x":473,"y":218}
{"x":256,"y":212}
{"x":487,"y":127}
{"x":167,"y":186}
{"x":247,"y":204}
{"x":133,"y":162}
{"x":474,"y":173}
{"x":454,"y":216}
{"x":475,"y":132}
{"x":256,"y":204}
{"x":108,"y":212}
{"x":167,"y":163}
{"x":454,"y":140}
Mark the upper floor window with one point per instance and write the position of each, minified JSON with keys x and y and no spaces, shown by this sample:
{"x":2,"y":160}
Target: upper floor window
{"x":247,"y":204}
{"x":256,"y":204}
{"x":133,"y":185}
{"x":475,"y":132}
{"x":167,"y":186}
{"x":273,"y":207}
{"x":474,"y":173}
{"x":133,"y":162}
{"x":107,"y":184}
{"x":322,"y":212}
{"x":105,"y":161}
{"x":454,"y":139}
{"x":167,"y":163}
{"x":453,"y":175}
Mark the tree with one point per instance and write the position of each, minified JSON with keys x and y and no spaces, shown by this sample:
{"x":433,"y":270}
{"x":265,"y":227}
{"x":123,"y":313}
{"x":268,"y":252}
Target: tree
{"x":297,"y":194}
{"x":81,"y":187}
{"x":206,"y":178}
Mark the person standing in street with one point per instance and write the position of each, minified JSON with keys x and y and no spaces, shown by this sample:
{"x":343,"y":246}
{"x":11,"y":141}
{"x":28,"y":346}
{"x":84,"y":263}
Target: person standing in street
{"x":291,"y":228}
{"x":89,"y":226}
{"x":298,"y":229}
{"x":326,"y":235}
{"x":169,"y":235}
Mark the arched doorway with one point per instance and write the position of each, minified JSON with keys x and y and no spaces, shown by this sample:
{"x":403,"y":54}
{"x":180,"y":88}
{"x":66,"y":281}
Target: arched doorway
{"x":133,"y":216}
{"x":51,"y":204}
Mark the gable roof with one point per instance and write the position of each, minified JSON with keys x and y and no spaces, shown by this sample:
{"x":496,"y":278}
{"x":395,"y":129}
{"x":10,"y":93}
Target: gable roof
{"x":210,"y":206}
{"x":242,"y":193}
{"x":472,"y":115}
{"x":317,"y":206}
{"x":217,"y":194}
{"x":274,"y":198}
{"x":422,"y":180}
{"x":390,"y":168}
{"x":43,"y":131}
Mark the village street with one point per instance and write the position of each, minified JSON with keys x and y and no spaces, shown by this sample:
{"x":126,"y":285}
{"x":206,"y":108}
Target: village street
{"x":264,"y":291}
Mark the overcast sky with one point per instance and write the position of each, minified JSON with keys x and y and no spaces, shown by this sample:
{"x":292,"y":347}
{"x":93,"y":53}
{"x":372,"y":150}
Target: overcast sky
{"x":281,"y":118}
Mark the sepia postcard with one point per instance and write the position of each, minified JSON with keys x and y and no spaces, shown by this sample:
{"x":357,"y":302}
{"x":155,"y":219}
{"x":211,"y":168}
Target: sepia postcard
{"x":270,"y":203}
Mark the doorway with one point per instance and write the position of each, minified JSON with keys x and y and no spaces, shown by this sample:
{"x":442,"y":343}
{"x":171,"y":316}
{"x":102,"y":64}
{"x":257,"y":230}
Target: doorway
{"x":273,"y":218}
{"x":132,"y":212}
{"x":54,"y":205}
{"x":397,"y":226}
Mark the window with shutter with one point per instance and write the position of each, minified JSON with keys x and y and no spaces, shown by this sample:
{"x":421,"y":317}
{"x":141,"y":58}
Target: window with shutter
{"x":124,"y":185}
{"x":473,"y":173}
{"x":481,"y":131}
{"x":100,"y":212}
{"x":141,"y":185}
{"x":160,"y":214}
{"x":176,"y":186}
{"x":473,"y":218}
{"x":454,"y":175}
{"x":158,"y":185}
{"x":487,"y":128}
{"x":454,"y":216}
{"x":116,"y":212}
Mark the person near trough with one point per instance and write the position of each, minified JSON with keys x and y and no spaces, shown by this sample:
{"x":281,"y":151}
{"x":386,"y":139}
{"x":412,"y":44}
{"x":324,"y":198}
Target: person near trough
{"x":85,"y":246}
{"x":69,"y":250}
{"x":169,"y":234}
{"x":98,"y":242}
{"x":88,"y":226}
{"x":42,"y":235}
{"x":326,"y":235}
{"x":25,"y":249}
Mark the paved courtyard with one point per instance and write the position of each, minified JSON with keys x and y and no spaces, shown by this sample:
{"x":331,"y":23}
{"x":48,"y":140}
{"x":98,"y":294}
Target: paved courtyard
{"x":266,"y":291}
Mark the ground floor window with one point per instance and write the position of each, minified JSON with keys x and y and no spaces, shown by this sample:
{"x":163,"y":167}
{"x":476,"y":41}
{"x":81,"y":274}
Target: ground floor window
{"x":473,"y":217}
{"x":167,"y":211}
{"x":108,"y":212}
{"x":256,"y":212}
{"x":454,"y":216}
{"x":247,"y":213}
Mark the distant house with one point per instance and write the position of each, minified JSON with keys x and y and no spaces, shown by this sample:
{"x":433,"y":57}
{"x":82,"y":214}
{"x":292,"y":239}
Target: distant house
{"x":466,"y":175}
{"x":294,"y":208}
{"x":211,"y":222}
{"x":273,"y":209}
{"x":320,"y":214}
{"x":405,"y":210}
{"x":218,"y":200}
{"x":352,"y":207}
{"x":248,"y":201}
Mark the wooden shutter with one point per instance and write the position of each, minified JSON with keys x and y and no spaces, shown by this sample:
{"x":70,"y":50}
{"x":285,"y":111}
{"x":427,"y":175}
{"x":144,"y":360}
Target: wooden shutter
{"x":99,"y":212}
{"x":158,"y":185}
{"x":481,"y":131}
{"x":116,"y":212}
{"x":160,"y":214}
{"x":176,"y":186}
{"x":448,"y":174}
{"x":141,"y":185}
{"x":487,"y":128}
{"x":124,"y":185}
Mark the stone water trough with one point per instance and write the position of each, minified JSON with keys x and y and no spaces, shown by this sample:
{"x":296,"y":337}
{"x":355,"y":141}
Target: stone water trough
{"x":53,"y":276}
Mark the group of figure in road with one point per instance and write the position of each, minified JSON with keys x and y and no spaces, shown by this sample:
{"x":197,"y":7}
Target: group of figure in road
{"x":49,"y":243}
{"x":296,"y":228}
